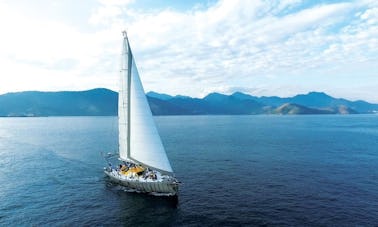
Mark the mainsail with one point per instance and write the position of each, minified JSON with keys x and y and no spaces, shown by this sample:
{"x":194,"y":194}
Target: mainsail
{"x":139,"y":139}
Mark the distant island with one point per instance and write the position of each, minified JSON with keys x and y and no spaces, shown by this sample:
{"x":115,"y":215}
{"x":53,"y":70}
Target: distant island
{"x":103,"y":102}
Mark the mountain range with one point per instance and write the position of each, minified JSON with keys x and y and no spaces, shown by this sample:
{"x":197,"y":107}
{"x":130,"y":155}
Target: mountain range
{"x":103,"y":102}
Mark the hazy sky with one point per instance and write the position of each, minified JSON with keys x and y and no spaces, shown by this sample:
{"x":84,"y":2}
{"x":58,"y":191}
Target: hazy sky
{"x":261,"y":47}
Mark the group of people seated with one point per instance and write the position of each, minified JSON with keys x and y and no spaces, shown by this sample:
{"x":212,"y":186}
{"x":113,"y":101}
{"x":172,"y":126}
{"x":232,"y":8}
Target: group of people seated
{"x":124,"y":168}
{"x":128,"y":167}
{"x":151,"y":174}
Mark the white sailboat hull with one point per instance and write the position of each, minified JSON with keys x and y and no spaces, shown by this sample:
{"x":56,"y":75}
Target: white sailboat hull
{"x":154,"y":187}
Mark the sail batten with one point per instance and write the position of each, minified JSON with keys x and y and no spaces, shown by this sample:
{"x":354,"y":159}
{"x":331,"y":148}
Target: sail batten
{"x":139,"y":139}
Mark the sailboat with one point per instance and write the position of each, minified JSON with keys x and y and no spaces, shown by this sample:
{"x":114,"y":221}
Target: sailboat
{"x":144,"y":165}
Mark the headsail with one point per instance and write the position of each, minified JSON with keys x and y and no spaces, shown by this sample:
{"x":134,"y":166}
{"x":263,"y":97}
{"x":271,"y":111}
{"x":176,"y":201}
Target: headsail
{"x":139,"y":139}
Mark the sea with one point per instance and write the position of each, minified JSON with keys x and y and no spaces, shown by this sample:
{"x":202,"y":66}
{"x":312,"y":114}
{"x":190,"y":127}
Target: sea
{"x":259,"y":170}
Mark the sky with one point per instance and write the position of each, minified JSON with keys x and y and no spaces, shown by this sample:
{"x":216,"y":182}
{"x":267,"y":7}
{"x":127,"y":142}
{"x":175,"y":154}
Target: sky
{"x":259,"y":47}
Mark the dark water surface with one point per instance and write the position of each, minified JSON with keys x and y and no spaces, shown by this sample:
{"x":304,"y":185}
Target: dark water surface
{"x":236,"y":170}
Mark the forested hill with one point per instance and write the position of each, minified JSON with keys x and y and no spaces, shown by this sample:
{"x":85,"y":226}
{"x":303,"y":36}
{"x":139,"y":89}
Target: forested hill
{"x":103,"y":102}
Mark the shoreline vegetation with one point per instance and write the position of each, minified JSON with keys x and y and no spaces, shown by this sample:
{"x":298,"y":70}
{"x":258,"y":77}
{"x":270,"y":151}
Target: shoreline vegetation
{"x":103,"y":102}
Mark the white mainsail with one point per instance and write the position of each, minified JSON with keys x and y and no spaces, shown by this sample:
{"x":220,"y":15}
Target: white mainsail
{"x":139,"y":139}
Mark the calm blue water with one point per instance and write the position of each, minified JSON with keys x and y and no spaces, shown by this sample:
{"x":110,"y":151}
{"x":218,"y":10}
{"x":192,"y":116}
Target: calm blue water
{"x":236,"y":170}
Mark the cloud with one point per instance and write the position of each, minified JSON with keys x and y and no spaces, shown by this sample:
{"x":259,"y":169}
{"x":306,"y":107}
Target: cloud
{"x":266,"y":47}
{"x":42,"y":54}
{"x":243,"y":42}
